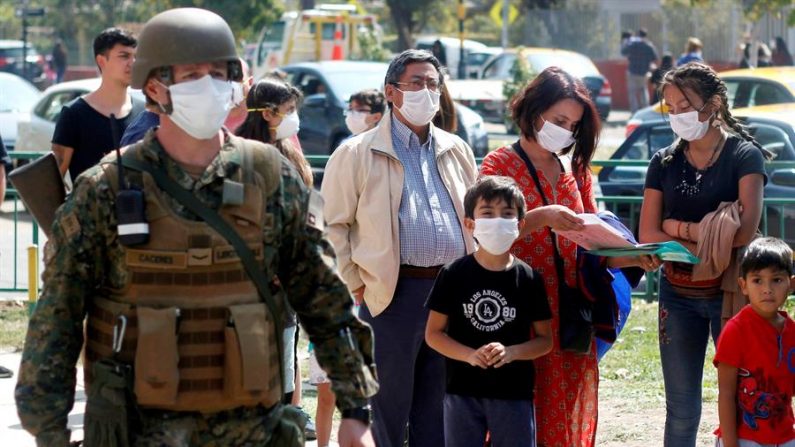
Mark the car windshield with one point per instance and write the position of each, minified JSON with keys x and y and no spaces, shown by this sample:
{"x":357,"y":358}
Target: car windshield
{"x":17,"y":52}
{"x":573,"y":64}
{"x":17,"y":95}
{"x":344,"y":84}
{"x":476,"y":59}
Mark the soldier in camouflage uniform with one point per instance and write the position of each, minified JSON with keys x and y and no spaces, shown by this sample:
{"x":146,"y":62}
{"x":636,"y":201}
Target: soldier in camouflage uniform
{"x":90,"y":272}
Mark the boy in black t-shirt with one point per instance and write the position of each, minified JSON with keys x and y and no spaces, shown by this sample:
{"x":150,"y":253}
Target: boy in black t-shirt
{"x":490,"y":317}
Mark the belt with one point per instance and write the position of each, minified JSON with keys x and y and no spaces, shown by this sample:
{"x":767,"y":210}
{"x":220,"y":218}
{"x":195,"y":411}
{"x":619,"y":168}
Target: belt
{"x":411,"y":271}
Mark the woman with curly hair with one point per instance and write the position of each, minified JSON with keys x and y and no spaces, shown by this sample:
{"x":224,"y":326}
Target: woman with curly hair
{"x":714,"y":160}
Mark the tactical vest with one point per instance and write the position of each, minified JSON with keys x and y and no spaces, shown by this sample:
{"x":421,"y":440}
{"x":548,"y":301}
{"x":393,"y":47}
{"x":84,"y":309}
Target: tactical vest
{"x":199,"y":336}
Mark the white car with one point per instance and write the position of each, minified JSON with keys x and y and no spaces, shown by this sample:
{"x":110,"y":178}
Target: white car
{"x":17,"y":98}
{"x":34,"y":132}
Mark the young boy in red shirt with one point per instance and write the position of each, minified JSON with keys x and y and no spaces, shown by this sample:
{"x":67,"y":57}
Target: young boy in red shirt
{"x":756,"y":354}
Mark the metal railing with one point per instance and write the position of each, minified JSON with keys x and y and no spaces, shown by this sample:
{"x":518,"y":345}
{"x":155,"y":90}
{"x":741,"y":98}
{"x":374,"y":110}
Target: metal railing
{"x":774,"y":216}
{"x":18,"y":214}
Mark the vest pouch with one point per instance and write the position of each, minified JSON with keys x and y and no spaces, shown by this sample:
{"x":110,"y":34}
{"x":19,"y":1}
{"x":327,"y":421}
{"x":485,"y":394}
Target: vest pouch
{"x":248,"y":353}
{"x":156,"y":357}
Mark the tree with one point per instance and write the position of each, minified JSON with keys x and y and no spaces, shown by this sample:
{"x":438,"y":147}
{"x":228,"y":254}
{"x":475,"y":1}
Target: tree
{"x":409,"y":17}
{"x":755,"y":9}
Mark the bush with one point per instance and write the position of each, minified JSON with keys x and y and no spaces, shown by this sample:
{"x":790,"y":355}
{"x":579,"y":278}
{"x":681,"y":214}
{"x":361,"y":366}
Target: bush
{"x":521,"y":74}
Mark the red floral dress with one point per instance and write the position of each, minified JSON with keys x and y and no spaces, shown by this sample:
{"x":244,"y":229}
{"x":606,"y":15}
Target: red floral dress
{"x":566,"y":383}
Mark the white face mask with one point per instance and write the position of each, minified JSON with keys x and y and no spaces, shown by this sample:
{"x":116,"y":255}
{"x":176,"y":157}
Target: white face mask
{"x":688,"y":127}
{"x":419,"y":107}
{"x":357,"y":122}
{"x":288,"y":127}
{"x":496,"y":235}
{"x":199,"y":107}
{"x":554,"y":138}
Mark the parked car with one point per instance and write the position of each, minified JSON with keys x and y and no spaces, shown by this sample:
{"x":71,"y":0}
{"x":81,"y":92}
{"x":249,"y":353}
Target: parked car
{"x":36,"y":129}
{"x":484,"y":95}
{"x":747,"y":87}
{"x":11,"y":60}
{"x":452,"y":50}
{"x":476,"y":60}
{"x":773,"y":126}
{"x":327,"y":86}
{"x":17,"y":97}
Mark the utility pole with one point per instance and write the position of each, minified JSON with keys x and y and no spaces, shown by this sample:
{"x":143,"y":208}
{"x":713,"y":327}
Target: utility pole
{"x":24,"y":12}
{"x":506,"y":4}
{"x":462,"y":65}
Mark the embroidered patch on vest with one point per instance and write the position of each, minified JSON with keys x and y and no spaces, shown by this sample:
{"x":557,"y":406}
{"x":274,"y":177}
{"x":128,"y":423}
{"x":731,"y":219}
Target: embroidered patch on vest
{"x":156,"y":259}
{"x":314,"y":212}
{"x":226,"y":253}
{"x":200,"y":256}
{"x":70,"y":225}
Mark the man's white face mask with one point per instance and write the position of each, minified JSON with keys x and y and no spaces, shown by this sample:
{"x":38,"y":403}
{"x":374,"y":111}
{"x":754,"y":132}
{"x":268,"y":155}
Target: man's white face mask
{"x":200,"y":106}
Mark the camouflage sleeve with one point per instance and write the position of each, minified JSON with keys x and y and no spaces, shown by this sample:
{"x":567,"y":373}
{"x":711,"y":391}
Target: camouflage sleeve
{"x":343,"y":344}
{"x":46,"y":384}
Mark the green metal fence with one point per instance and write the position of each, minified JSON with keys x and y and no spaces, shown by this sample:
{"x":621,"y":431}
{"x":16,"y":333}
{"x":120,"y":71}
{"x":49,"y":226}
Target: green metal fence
{"x":18,"y":215}
{"x":774,"y":216}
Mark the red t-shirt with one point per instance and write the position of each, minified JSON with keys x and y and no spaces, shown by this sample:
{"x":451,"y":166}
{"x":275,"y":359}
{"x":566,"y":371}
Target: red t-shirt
{"x":765,"y":359}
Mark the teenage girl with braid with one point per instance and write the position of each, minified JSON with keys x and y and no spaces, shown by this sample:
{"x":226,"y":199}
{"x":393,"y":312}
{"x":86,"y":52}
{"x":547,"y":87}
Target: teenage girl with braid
{"x":714,"y":160}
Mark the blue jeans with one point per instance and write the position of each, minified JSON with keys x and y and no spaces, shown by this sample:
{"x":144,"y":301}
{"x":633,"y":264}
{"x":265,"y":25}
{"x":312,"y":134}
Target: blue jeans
{"x":410,"y":373}
{"x":685,"y":325}
{"x":510,"y":422}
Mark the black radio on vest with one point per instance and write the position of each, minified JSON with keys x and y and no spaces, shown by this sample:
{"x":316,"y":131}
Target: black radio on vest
{"x":130,"y":204}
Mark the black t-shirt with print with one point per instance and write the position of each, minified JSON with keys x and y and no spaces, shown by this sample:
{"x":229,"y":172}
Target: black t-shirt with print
{"x":88,"y":132}
{"x":719,"y":183}
{"x":484,"y":306}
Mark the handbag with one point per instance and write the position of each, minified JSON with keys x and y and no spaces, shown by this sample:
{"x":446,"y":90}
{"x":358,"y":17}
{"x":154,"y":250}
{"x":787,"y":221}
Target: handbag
{"x":575,"y":310}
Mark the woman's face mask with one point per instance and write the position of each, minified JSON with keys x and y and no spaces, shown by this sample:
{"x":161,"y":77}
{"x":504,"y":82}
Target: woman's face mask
{"x":200,"y":106}
{"x":553,"y":137}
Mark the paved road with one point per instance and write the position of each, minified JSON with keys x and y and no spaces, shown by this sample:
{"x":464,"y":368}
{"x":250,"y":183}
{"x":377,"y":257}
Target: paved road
{"x":11,"y":432}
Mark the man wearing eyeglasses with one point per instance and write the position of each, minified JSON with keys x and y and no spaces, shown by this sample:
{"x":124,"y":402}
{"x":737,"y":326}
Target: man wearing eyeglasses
{"x":394,"y":209}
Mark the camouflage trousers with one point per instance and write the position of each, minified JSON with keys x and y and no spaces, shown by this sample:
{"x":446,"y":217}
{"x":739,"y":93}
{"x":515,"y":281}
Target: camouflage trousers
{"x":281,"y":426}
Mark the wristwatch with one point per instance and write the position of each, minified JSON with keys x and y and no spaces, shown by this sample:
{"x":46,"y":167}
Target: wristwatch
{"x":363,"y":414}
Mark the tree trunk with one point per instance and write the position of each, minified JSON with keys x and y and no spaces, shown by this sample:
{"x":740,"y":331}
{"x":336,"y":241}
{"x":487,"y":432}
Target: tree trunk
{"x":307,"y":4}
{"x":404,"y":24}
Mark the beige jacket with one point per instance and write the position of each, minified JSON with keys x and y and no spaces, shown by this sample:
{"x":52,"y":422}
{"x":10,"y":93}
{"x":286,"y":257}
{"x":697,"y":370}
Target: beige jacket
{"x":362,"y":189}
{"x":719,"y":257}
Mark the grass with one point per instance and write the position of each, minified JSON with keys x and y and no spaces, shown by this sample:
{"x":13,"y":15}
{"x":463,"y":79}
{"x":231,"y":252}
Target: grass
{"x":13,"y":325}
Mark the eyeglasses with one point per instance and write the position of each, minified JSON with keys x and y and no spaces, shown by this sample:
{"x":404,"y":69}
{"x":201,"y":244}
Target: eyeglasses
{"x":357,"y":111}
{"x":419,"y":84}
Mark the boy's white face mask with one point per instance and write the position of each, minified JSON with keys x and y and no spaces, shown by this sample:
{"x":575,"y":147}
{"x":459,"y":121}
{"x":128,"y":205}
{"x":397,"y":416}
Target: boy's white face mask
{"x":496,"y":234}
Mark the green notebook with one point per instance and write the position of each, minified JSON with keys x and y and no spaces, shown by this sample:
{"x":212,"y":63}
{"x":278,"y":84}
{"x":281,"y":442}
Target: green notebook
{"x":667,"y":251}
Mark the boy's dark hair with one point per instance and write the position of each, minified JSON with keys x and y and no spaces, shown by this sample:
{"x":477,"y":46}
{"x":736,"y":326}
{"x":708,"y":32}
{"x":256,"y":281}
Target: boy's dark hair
{"x":371,"y":98}
{"x":108,"y":39}
{"x":491,"y":187}
{"x":642,"y":32}
{"x":767,"y":252}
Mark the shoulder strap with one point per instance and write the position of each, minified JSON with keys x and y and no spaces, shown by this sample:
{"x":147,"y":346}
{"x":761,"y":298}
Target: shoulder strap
{"x":533,"y":173}
{"x":254,"y":270}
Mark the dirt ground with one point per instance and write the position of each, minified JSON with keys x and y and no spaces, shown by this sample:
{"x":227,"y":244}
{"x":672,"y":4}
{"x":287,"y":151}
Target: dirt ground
{"x":628,"y":423}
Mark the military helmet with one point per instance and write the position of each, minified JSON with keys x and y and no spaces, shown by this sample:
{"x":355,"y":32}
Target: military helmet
{"x":184,"y":36}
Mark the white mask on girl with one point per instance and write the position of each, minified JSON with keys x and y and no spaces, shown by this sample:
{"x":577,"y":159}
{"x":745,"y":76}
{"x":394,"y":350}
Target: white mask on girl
{"x":288,"y":127}
{"x":688,"y":127}
{"x":496,"y":234}
{"x":554,"y":138}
